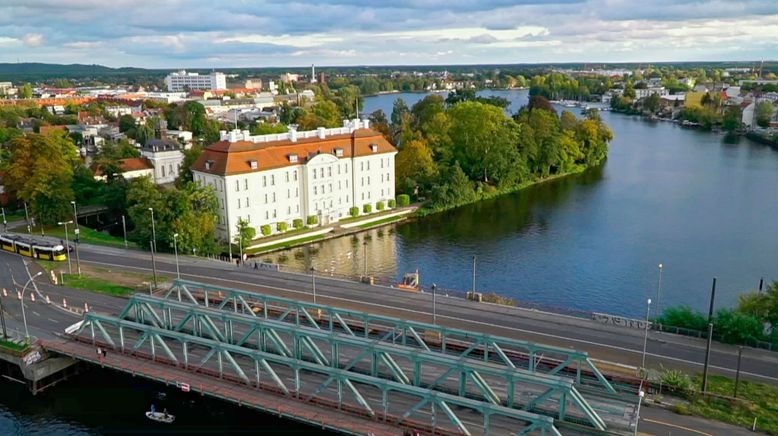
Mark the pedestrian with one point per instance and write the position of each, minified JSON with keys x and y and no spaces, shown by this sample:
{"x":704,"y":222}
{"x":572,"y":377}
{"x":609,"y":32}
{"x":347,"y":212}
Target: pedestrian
{"x":255,"y":266}
{"x":105,"y":353}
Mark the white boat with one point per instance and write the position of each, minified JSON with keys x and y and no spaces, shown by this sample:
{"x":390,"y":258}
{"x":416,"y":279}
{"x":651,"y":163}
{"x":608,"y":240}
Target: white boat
{"x":160,"y":417}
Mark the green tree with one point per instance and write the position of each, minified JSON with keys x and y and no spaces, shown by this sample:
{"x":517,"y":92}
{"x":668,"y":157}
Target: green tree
{"x":40,"y":172}
{"x":732,"y":118}
{"x":268,"y":128}
{"x":737,"y":328}
{"x":190,"y":157}
{"x":763,"y":113}
{"x":246,"y":233}
{"x":126,"y":123}
{"x":25,"y":91}
{"x":454,"y":189}
{"x":651,"y":103}
{"x":415,"y":168}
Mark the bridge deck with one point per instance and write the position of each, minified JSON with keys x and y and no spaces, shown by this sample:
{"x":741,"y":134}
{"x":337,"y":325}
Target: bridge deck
{"x":289,"y":408}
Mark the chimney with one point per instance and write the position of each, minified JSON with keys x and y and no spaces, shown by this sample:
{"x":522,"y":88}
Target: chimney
{"x":321,"y":132}
{"x":222,"y":135}
{"x":293,"y":132}
{"x":246,"y":135}
{"x":233,"y":137}
{"x":366,"y":123}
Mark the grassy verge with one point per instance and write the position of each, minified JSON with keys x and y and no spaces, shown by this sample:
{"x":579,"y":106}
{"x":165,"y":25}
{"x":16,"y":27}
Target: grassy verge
{"x":95,"y":284}
{"x":87,"y":235}
{"x":755,"y":400}
{"x":286,"y":244}
{"x":383,"y":221}
{"x":13,"y":346}
{"x":280,"y":235}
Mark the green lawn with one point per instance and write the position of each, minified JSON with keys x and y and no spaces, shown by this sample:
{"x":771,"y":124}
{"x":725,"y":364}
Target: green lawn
{"x":383,"y":221}
{"x":97,"y":285}
{"x":759,"y":401}
{"x":286,"y":244}
{"x":88,"y":235}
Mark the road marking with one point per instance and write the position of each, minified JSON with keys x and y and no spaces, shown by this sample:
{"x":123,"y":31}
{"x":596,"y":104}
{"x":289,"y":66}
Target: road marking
{"x":53,"y":320}
{"x":518,"y":330}
{"x":676,"y":426}
{"x":36,"y":313}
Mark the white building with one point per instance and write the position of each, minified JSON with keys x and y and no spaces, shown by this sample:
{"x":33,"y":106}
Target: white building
{"x":166,"y":157}
{"x":647,"y":92}
{"x":274,"y":178}
{"x":182,"y":81}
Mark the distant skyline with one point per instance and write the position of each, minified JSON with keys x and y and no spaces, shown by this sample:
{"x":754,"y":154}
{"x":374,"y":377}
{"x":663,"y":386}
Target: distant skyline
{"x":244,"y":33}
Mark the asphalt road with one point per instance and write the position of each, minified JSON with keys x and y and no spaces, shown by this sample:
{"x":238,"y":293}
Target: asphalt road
{"x":602,"y":342}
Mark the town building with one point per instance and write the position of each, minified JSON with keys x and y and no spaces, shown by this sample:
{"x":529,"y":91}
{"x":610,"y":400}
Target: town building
{"x":289,"y":77}
{"x":166,"y":158}
{"x":130,"y":168}
{"x":182,"y":81}
{"x":253,"y":84}
{"x":322,"y":173}
{"x":647,"y":92}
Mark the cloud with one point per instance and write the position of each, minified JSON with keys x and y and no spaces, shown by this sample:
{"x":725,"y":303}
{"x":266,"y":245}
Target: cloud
{"x":33,"y":39}
{"x":201,"y":33}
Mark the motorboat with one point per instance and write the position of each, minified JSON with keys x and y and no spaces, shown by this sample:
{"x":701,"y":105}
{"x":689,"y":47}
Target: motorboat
{"x":162,"y":417}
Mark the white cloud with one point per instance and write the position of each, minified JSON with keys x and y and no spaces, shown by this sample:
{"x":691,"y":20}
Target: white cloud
{"x":310,"y":40}
{"x":33,"y":39}
{"x":5,"y":41}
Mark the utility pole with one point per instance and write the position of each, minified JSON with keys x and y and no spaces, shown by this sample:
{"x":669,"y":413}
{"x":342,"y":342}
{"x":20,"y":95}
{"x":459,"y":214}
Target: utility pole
{"x":2,"y":319}
{"x":27,"y":218}
{"x":659,"y":293}
{"x":364,"y":274}
{"x":67,"y":245}
{"x":77,"y":232}
{"x":313,"y":283}
{"x":474,"y":257}
{"x":124,"y":229}
{"x":710,"y":337}
{"x":737,"y":372}
{"x":5,"y":223}
{"x":153,"y":246}
{"x":434,"y":307}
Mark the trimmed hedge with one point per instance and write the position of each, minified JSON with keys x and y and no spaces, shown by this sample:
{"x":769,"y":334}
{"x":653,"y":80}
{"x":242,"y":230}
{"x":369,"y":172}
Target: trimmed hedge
{"x":312,"y":220}
{"x":265,"y":229}
{"x":354,"y":211}
{"x":379,"y":205}
{"x":392,"y":203}
{"x":297,"y":223}
{"x":403,"y":200}
{"x":367,"y":208}
{"x":282,"y":226}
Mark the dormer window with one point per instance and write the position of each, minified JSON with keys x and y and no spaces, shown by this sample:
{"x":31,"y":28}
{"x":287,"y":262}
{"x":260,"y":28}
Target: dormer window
{"x":292,"y":158}
{"x":253,"y":164}
{"x":374,"y":148}
{"x":338,"y":152}
{"x":208,"y":164}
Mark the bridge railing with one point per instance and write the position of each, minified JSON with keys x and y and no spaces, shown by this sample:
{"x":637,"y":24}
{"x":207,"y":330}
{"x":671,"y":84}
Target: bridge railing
{"x":510,"y":352}
{"x":497,"y":384}
{"x":310,"y":382}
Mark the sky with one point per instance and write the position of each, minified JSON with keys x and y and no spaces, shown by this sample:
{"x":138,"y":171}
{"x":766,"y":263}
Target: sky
{"x":283,"y":33}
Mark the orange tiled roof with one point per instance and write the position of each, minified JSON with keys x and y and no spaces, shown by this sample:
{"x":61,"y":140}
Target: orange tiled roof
{"x":46,"y":129}
{"x":129,"y":164}
{"x":230,"y":158}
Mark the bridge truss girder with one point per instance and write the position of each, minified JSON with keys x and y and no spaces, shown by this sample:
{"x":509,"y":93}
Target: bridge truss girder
{"x":390,"y":401}
{"x":430,"y":337}
{"x":549,"y":395}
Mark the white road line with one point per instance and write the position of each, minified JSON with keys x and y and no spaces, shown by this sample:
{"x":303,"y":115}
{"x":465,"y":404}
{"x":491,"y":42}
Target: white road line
{"x":53,"y":320}
{"x":36,"y":313}
{"x":518,"y":330}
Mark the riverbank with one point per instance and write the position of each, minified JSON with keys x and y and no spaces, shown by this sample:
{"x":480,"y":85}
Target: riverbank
{"x":482,"y":195}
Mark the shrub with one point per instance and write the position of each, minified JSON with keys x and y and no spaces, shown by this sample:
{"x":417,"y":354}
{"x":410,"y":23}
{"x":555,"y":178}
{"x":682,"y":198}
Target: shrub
{"x":354,"y":211}
{"x":392,"y":203}
{"x":312,"y":220}
{"x":367,"y":208}
{"x":282,"y":226}
{"x":379,"y":205}
{"x":403,"y":200}
{"x":684,"y":317}
{"x":677,"y":381}
{"x":733,"y":327}
{"x":297,"y":223}
{"x":265,"y":229}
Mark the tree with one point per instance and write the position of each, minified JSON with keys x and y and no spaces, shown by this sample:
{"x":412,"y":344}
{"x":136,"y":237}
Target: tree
{"x":185,"y":171}
{"x":629,"y":91}
{"x":415,"y":167}
{"x":379,"y":123}
{"x":126,"y":122}
{"x":40,"y":172}
{"x":268,"y":128}
{"x":246,"y":233}
{"x":25,"y":91}
{"x":540,"y":102}
{"x":454,"y":190}
{"x":651,"y":103}
{"x":763,"y":113}
{"x":732,"y":118}
{"x":734,"y":327}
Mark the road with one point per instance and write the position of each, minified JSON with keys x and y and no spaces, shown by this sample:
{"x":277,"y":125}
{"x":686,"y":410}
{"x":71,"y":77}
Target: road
{"x":600,"y":341}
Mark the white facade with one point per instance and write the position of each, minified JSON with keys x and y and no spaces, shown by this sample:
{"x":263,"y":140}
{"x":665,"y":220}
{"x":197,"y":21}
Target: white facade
{"x":647,"y":92}
{"x":166,"y":157}
{"x":181,"y":81}
{"x":325,"y":183}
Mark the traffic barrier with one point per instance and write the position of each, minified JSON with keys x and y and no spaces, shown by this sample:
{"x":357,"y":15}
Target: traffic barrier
{"x":86,"y":307}
{"x":18,"y":295}
{"x":48,"y":301}
{"x":5,"y":292}
{"x":32,"y":296}
{"x":65,"y":303}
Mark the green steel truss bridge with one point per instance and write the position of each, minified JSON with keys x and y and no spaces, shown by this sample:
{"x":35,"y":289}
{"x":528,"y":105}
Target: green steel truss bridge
{"x":512,"y":353}
{"x":385,"y":370}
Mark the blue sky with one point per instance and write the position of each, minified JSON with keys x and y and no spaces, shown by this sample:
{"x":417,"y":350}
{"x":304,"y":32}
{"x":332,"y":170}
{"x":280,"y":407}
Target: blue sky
{"x":260,"y":33}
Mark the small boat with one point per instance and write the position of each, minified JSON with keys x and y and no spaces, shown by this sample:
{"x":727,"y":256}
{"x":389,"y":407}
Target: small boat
{"x":162,"y":417}
{"x":410,"y":282}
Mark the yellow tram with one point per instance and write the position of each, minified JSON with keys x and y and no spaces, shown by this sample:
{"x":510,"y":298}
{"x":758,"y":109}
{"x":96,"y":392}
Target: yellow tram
{"x":31,"y":248}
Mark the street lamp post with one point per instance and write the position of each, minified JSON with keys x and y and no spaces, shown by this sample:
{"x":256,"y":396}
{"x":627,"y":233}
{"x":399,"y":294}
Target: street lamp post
{"x":67,"y":244}
{"x":434,"y":306}
{"x":659,"y":293}
{"x":77,"y":231}
{"x":645,"y":336}
{"x":313,"y":283}
{"x":364,"y":274}
{"x":27,"y":219}
{"x":24,"y":316}
{"x":5,"y":222}
{"x":474,"y":275}
{"x":124,"y":229}
{"x":153,"y":246}
{"x":175,"y":248}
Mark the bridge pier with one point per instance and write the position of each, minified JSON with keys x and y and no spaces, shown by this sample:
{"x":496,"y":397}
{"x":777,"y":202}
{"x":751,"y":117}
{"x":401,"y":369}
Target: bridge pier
{"x":35,"y":368}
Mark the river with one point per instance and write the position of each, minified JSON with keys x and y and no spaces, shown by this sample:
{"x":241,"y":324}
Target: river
{"x":699,"y":203}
